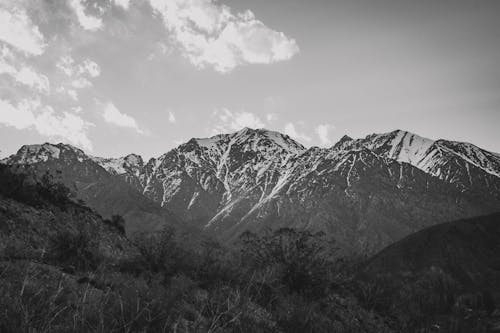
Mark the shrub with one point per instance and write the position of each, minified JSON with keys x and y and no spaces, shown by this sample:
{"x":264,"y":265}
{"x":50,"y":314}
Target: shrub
{"x":376,"y":294}
{"x":160,"y":253}
{"x":23,"y":185}
{"x":303,"y":260}
{"x":75,"y":250}
{"x":214,"y":264}
{"x":117,"y":222}
{"x":52,"y":190}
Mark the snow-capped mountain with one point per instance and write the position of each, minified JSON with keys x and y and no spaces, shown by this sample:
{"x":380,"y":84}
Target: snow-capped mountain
{"x":197,"y":178}
{"x":463,"y":164}
{"x":102,"y":189}
{"x":129,"y":167}
{"x":128,"y":164}
{"x":367,"y":193}
{"x":31,"y":154}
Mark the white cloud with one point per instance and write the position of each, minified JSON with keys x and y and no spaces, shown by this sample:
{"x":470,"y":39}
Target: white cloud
{"x":171,"y":117}
{"x":20,"y":118}
{"x":87,"y":22}
{"x":87,"y":67}
{"x":81,"y":83}
{"x":31,"y":114}
{"x":90,"y":68}
{"x":123,"y":3}
{"x":66,"y":65}
{"x":228,"y":121}
{"x":17,"y":30}
{"x":209,"y":34}
{"x":73,"y":94}
{"x":69,"y":126}
{"x":68,"y":91}
{"x":33,"y":79}
{"x":294,"y":133}
{"x":78,"y":73}
{"x":113,"y":116}
{"x":323,"y":132}
{"x":26,"y":75}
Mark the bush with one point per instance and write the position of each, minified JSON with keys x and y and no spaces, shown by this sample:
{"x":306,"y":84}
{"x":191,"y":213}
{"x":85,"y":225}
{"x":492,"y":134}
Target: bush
{"x":52,"y":190}
{"x":24,"y":186}
{"x":375,"y":295}
{"x":301,"y":260}
{"x":117,"y":222}
{"x":75,"y":250}
{"x":160,"y":253}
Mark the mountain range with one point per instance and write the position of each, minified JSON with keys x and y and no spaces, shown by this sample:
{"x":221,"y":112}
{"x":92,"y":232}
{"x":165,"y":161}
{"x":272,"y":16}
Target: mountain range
{"x":366,"y":193}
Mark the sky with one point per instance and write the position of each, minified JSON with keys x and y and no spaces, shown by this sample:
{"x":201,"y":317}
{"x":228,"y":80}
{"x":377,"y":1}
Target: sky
{"x":115,"y":77}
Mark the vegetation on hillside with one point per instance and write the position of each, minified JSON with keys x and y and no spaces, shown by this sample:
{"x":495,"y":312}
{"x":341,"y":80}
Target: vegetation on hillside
{"x":25,"y":187}
{"x":278,"y":281}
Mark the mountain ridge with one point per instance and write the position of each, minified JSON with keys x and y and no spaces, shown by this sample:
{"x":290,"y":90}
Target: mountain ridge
{"x":253,"y":179}
{"x":205,"y":140}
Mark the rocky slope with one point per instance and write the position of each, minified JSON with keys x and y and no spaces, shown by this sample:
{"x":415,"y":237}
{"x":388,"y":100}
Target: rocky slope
{"x":32,"y":215}
{"x":101,"y":190}
{"x":366,"y":192}
{"x":469,"y":167}
{"x":65,"y":269}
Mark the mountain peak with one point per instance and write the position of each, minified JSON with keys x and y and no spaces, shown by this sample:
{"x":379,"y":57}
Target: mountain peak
{"x":245,"y":130}
{"x":345,"y":138}
{"x":252,"y":138}
{"x":134,"y":159}
{"x":342,"y":143}
{"x":400,"y":145}
{"x":120,"y":165}
{"x":29,"y":154}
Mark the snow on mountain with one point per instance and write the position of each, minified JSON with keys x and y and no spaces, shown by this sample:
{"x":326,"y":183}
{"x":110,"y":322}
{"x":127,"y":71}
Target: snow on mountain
{"x":367,"y":192}
{"x":258,"y":178}
{"x":131,"y":163}
{"x":400,"y":145}
{"x":488,"y":161}
{"x":203,"y":177}
{"x":104,"y":190}
{"x":30,"y":154}
{"x":455,"y":162}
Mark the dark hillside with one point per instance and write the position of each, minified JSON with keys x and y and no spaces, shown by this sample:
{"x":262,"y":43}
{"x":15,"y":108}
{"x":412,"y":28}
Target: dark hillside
{"x":446,"y":275}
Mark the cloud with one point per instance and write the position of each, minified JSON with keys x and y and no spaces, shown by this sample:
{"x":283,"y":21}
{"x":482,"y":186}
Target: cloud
{"x":79,"y":74}
{"x":89,"y":68}
{"x":113,"y":116}
{"x":323,"y":132}
{"x":17,"y":30}
{"x":19,"y":118}
{"x":33,"y":79}
{"x":66,"y":65}
{"x":87,"y":22}
{"x":70,"y":67}
{"x":68,"y":91}
{"x":171,"y":117}
{"x":25,"y":75}
{"x":290,"y":130}
{"x":31,"y":114}
{"x":228,"y":121}
{"x":122,"y":3}
{"x":209,"y":34}
{"x":81,"y":83}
